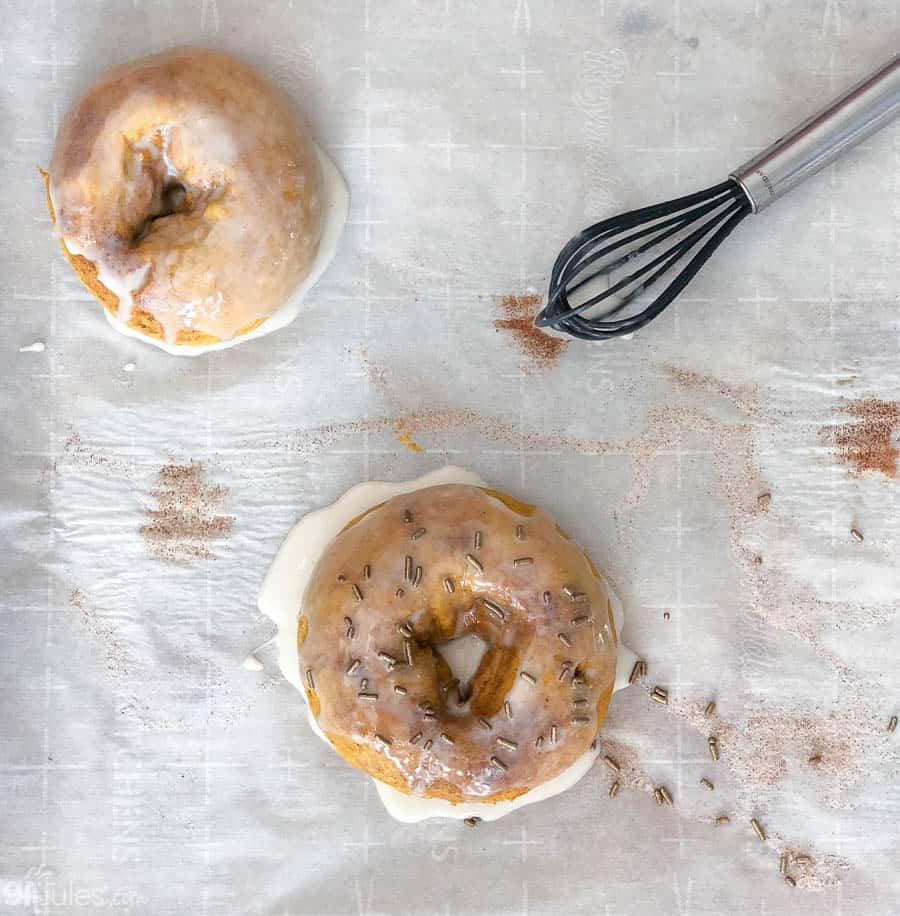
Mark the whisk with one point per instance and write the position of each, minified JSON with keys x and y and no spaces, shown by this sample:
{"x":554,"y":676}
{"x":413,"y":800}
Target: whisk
{"x":607,"y":269}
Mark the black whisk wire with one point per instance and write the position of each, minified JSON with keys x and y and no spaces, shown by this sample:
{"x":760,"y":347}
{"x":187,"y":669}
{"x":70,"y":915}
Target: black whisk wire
{"x":717,"y":211}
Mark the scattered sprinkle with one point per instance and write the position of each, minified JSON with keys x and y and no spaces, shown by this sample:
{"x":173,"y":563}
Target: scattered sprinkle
{"x":611,"y":764}
{"x":707,"y":784}
{"x":757,"y":828}
{"x":892,"y":724}
{"x":472,"y":821}
{"x":528,"y":678}
{"x":856,"y":534}
{"x":564,"y":640}
{"x":614,"y":790}
{"x":474,"y":562}
{"x":722,"y":820}
{"x":710,"y":708}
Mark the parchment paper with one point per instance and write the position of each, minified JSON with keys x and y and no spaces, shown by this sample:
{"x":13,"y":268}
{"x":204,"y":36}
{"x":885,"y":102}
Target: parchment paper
{"x":144,"y":770}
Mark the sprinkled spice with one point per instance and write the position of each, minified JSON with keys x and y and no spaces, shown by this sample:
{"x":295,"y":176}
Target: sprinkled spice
{"x":816,"y":758}
{"x":399,"y":593}
{"x":546,"y":598}
{"x":866,"y":441}
{"x":405,"y":629}
{"x":580,"y":720}
{"x":538,"y":742}
{"x":518,"y":313}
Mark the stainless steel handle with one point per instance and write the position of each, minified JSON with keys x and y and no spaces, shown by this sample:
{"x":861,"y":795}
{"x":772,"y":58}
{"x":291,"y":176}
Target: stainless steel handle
{"x":809,"y":147}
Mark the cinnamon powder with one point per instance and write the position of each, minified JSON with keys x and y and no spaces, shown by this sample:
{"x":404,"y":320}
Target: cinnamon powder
{"x":186,"y":521}
{"x":865,"y":442}
{"x":518,"y":318}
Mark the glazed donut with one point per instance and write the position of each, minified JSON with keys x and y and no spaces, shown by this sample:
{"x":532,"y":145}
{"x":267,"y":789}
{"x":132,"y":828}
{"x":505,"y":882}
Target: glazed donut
{"x":186,"y":193}
{"x":408,"y":580}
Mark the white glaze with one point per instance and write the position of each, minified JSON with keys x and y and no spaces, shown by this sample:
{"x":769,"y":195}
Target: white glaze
{"x":37,"y":347}
{"x":335,"y":208}
{"x":281,"y":596}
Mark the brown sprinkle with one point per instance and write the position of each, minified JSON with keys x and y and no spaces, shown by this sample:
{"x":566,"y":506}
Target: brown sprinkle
{"x":449,"y":587}
{"x":520,"y":533}
{"x":400,"y":593}
{"x":614,"y":789}
{"x":367,"y":572}
{"x":348,"y":621}
{"x":791,"y":882}
{"x":635,"y":672}
{"x":310,"y":679}
{"x":364,"y":683}
{"x":342,"y":578}
{"x":507,"y":743}
{"x":446,"y":738}
{"x":763,"y":500}
{"x":351,"y":632}
{"x":387,"y":658}
{"x":563,"y":671}
{"x":783,"y":863}
{"x":508,"y":710}
{"x":472,"y":821}
{"x":476,"y":544}
{"x":564,"y":640}
{"x":546,"y":598}
{"x":892,"y":724}
{"x":553,"y":732}
{"x":528,"y":678}
{"x":416,"y":738}
{"x":611,"y":764}
{"x":367,"y":697}
{"x":449,"y":685}
{"x":660,"y":695}
{"x":401,"y":690}
{"x":657,"y":794}
{"x":494,"y":609}
{"x":816,"y":758}
{"x":580,"y":620}
{"x":710,"y":708}
{"x":407,"y":517}
{"x":407,"y":568}
{"x":666,"y":615}
{"x":523,"y":561}
{"x":428,"y":744}
{"x":802,"y":860}
{"x":354,"y":667}
{"x":474,"y":562}
{"x":499,"y":764}
{"x":580,"y":720}
{"x":856,"y":534}
{"x":405,"y":630}
{"x":418,"y":533}
{"x":357,"y":593}
{"x":713,"y":744}
{"x":407,"y":648}
{"x":538,"y":742}
{"x":757,"y":828}
{"x":707,"y":784}
{"x":665,"y":795}
{"x":485,"y":724}
{"x":417,"y":579}
{"x":722,"y":820}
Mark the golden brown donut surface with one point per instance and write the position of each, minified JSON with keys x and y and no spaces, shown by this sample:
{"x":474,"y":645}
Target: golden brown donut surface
{"x":428,"y":567}
{"x":186,"y":191}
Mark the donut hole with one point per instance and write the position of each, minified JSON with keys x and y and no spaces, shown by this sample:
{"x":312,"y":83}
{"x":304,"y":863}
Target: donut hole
{"x":461,"y":658}
{"x":172,"y":199}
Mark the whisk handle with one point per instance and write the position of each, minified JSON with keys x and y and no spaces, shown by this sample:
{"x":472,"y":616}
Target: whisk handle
{"x":848,"y":120}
